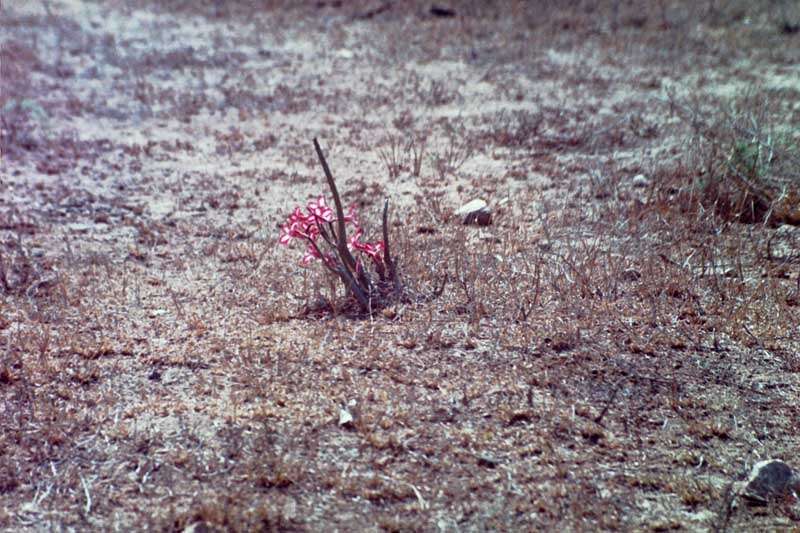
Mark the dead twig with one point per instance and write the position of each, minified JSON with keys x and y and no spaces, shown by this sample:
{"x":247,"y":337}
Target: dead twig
{"x":617,"y":386}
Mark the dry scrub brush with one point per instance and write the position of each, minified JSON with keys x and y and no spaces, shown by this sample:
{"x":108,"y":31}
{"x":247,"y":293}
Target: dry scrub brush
{"x":747,"y":154}
{"x":637,"y":273}
{"x":19,"y":110}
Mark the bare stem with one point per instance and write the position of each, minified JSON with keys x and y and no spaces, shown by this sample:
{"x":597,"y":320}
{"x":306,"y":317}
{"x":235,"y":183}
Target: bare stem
{"x":349,"y":271}
{"x":341,"y":235}
{"x":345,"y":275}
{"x":387,"y":256}
{"x":354,"y":287}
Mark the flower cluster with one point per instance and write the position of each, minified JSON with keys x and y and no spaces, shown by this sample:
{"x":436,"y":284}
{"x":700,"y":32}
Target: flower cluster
{"x":322,"y":227}
{"x":319,"y":221}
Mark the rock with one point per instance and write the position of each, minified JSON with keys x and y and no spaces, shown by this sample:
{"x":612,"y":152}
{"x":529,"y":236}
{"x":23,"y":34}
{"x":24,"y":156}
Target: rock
{"x":290,"y":509}
{"x":442,"y":11}
{"x":200,"y":527}
{"x":472,"y":206}
{"x":631,"y":274}
{"x":487,"y":461}
{"x":80,"y":227}
{"x":348,"y":414}
{"x":771,"y":480}
{"x":640,"y":180}
{"x":475,"y":212}
{"x":345,"y":417}
{"x":479,"y":218}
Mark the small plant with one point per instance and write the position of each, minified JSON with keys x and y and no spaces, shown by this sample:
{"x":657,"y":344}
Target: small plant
{"x":335,"y":249}
{"x":455,"y":154}
{"x":748,"y":160}
{"x":437,"y":94}
{"x":17,"y":271}
{"x":19,"y":120}
{"x":392,"y":156}
{"x":417,"y":144}
{"x":403,"y":154}
{"x":515,"y":129}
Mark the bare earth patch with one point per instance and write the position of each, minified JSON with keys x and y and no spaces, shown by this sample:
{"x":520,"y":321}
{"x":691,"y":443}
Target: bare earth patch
{"x":613,"y":349}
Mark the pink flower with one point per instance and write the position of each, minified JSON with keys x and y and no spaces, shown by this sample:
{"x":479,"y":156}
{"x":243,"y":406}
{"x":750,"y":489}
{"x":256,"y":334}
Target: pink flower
{"x":374,"y":250}
{"x":351,"y":215}
{"x":310,"y":255}
{"x":298,"y":225}
{"x":304,"y":226}
{"x":319,"y":209}
{"x":371,"y":249}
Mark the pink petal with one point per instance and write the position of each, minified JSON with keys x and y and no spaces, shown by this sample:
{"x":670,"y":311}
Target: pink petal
{"x":351,"y":215}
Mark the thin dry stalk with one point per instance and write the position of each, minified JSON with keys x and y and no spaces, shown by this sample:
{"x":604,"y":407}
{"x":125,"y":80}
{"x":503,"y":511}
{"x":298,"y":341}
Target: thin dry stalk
{"x":355,"y":278}
{"x":392,"y":156}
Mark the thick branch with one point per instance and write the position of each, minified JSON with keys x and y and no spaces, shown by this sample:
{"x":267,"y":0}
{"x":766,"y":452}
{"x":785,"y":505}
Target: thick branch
{"x":354,"y":287}
{"x":387,"y":256}
{"x":341,"y":235}
{"x":354,"y":278}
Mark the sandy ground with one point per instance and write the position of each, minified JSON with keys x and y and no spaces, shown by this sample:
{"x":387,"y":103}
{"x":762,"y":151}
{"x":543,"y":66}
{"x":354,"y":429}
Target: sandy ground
{"x":161,"y":367}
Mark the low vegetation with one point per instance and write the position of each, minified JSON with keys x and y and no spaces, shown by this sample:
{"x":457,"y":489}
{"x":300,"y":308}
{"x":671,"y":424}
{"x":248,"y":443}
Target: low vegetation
{"x":613,"y":351}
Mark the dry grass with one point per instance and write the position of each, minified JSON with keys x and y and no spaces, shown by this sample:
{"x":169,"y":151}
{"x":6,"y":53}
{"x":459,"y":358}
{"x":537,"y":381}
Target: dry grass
{"x":609,"y":354}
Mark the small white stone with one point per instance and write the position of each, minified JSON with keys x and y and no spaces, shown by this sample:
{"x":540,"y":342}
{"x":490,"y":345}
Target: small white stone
{"x":471,"y":207}
{"x":640,"y":180}
{"x":475,"y":212}
{"x":345,"y":417}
